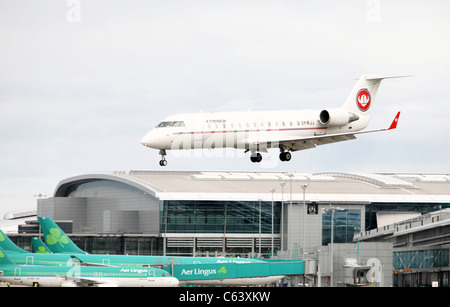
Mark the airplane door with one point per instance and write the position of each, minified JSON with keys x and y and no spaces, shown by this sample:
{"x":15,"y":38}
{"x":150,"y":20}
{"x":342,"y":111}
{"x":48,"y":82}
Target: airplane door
{"x":29,"y":260}
{"x":151,"y":275}
{"x":17,"y":273}
{"x":105,"y":261}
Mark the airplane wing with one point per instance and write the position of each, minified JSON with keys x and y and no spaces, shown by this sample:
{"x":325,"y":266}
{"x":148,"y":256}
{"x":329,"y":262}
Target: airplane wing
{"x":78,"y":281}
{"x":314,"y":141}
{"x":80,"y":262}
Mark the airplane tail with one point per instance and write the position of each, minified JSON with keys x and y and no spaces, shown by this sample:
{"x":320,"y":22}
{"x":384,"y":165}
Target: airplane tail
{"x":4,"y":259}
{"x":56,"y":240}
{"x":39,"y":247}
{"x":361,"y":98}
{"x":8,"y":245}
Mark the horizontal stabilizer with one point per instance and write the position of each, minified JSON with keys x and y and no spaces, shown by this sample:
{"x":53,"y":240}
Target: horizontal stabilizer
{"x":376,"y":77}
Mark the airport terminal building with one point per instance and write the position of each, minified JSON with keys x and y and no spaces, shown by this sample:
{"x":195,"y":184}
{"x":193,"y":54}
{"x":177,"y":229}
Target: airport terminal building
{"x":244,"y":214}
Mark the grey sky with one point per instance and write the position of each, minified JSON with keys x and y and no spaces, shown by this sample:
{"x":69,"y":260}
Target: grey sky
{"x":82,"y":81}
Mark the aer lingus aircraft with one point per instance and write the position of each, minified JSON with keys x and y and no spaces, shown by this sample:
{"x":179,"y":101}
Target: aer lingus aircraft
{"x":73,"y":275}
{"x":258,"y":131}
{"x":60,"y":244}
{"x":64,"y":250}
{"x":63,"y":242}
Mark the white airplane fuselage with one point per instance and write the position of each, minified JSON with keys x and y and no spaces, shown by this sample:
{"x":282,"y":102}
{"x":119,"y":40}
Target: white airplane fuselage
{"x":241,"y":130}
{"x":256,"y":131}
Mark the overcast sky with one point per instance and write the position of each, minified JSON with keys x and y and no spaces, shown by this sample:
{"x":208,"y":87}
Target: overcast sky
{"x":81,"y":82}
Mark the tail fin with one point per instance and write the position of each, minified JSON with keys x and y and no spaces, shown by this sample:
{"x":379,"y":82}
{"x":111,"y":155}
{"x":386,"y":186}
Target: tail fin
{"x":56,"y":240}
{"x":8,"y":245}
{"x":4,"y":259}
{"x":361,"y":98}
{"x":39,"y":247}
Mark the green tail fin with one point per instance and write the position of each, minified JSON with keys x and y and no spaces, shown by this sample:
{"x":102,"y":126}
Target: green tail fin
{"x":39,"y":247}
{"x":8,"y":245}
{"x":4,"y":259}
{"x":56,"y":240}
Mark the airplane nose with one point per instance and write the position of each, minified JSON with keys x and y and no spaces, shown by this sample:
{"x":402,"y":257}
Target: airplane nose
{"x":174,"y":282}
{"x":155,"y":139}
{"x":149,"y":140}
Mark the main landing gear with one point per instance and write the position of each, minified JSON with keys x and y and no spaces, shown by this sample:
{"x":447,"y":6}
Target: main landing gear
{"x":163,"y":161}
{"x":285,"y":156}
{"x":256,"y":157}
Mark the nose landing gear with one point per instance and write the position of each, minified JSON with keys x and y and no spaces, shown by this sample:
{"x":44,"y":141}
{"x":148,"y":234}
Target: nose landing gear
{"x":163,"y":161}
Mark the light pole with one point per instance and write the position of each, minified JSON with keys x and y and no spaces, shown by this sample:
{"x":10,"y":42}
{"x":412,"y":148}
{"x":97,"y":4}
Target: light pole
{"x":290,"y":217}
{"x":282,"y":215}
{"x":271,"y":246}
{"x":259,"y":228}
{"x":333,"y":210}
{"x":304,"y":186}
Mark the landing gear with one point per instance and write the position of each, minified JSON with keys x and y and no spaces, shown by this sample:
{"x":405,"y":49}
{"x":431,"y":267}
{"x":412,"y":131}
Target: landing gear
{"x":285,"y":156}
{"x":163,"y":161}
{"x":256,"y":157}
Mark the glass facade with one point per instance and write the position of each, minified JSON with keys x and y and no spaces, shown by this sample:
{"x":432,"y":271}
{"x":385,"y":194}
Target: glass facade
{"x":114,"y":245}
{"x":423,"y":208}
{"x":345,"y":223}
{"x":421,"y":259}
{"x":190,"y":216}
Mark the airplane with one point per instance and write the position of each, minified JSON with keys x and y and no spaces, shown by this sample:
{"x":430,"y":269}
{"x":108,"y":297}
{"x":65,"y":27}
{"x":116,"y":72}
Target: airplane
{"x":22,"y":257}
{"x":73,"y":275}
{"x":62,"y":243}
{"x":257,"y":131}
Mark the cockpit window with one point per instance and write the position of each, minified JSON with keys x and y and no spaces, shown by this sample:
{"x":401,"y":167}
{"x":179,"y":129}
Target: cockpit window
{"x":178,"y":124}
{"x":171,"y":124}
{"x":164,"y":124}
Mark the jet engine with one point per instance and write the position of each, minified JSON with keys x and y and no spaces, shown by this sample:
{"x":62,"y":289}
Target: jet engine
{"x":336,"y":117}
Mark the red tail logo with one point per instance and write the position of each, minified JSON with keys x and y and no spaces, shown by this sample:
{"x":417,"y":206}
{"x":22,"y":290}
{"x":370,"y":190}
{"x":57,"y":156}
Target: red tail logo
{"x":363,"y":100}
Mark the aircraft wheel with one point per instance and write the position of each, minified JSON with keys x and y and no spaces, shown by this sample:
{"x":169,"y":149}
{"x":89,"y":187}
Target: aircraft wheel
{"x":285,"y":156}
{"x":256,"y":158}
{"x":163,"y":162}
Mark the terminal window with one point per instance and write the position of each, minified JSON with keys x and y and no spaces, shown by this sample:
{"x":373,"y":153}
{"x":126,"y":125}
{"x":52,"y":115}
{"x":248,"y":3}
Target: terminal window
{"x":219,"y":217}
{"x":345,"y":223}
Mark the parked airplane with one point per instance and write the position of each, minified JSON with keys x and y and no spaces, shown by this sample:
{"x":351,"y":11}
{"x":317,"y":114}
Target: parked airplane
{"x":58,"y":241}
{"x":75,"y":275}
{"x":22,"y":257}
{"x":257,"y":131}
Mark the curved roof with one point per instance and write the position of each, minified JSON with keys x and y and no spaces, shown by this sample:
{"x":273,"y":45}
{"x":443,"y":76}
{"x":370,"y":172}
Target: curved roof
{"x":223,"y":185}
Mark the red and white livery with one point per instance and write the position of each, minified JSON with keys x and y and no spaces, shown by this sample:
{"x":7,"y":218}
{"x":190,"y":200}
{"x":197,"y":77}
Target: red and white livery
{"x":257,"y":131}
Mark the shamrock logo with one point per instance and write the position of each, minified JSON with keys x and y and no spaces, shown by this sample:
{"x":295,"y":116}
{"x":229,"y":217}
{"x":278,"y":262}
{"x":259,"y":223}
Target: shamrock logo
{"x":55,"y":236}
{"x":2,"y":237}
{"x":1,"y":254}
{"x":222,"y":270}
{"x":42,"y":250}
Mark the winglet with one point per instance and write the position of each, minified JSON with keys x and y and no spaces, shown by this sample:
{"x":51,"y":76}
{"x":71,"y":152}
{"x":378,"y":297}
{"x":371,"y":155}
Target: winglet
{"x":394,"y":122}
